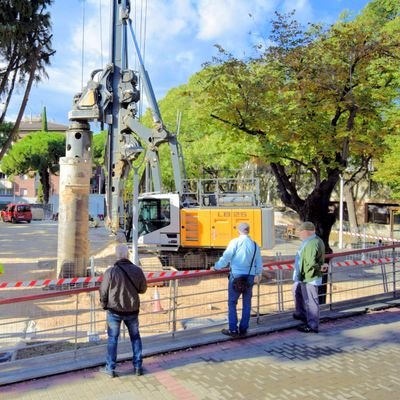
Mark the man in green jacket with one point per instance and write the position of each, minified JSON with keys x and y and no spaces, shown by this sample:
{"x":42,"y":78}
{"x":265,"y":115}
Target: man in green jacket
{"x":309,"y":265}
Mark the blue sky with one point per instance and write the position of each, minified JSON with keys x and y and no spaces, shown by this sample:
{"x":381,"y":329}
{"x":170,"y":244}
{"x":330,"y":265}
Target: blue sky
{"x":180,"y":36}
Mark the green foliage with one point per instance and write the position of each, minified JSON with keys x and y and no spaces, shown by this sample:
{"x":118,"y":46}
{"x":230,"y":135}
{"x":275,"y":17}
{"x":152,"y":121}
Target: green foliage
{"x":25,"y":29}
{"x":25,"y":51}
{"x":44,"y":120}
{"x":98,"y":147}
{"x":314,"y":104}
{"x":38,"y":152}
{"x":209,"y":149}
{"x":34,"y":152}
{"x":5,"y":129}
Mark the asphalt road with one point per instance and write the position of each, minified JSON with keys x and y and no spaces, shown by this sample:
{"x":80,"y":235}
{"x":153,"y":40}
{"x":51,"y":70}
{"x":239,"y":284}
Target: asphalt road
{"x":23,"y":245}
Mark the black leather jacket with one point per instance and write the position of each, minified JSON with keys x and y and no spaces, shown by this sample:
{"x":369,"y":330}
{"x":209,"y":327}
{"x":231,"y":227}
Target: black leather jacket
{"x":120,"y":294}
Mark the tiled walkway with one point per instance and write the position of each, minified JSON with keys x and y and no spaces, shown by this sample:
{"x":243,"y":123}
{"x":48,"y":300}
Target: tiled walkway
{"x":351,"y":358}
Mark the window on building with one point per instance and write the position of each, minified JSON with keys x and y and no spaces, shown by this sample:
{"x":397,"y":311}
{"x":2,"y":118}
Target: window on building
{"x":23,"y":192}
{"x":3,"y":176}
{"x":377,"y":213}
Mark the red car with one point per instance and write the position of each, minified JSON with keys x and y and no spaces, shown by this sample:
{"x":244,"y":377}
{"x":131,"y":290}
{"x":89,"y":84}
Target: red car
{"x":16,"y":212}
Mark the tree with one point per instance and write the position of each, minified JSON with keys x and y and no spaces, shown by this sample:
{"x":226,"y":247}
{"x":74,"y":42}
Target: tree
{"x":388,"y":168}
{"x":25,"y":51}
{"x":44,"y":120}
{"x":38,"y":152}
{"x":98,"y":147}
{"x":206,"y":151}
{"x":316,"y":101}
{"x":5,"y":129}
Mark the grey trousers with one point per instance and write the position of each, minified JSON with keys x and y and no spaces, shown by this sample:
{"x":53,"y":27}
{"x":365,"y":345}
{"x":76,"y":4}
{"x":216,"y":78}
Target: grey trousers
{"x":307,"y":303}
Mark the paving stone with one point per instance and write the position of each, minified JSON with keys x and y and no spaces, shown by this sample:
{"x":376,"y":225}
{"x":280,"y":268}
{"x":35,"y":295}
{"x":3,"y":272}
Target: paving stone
{"x":344,"y":361}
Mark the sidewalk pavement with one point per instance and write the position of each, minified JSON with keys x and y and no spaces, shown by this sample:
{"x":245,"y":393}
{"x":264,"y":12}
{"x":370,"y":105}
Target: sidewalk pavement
{"x":357,"y":357}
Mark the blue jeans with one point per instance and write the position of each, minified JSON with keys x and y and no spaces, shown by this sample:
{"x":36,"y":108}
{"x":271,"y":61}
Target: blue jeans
{"x":233,"y":297}
{"x":113,"y":328}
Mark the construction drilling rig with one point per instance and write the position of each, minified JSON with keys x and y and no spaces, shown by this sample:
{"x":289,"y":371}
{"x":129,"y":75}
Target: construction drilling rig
{"x":195,"y":218}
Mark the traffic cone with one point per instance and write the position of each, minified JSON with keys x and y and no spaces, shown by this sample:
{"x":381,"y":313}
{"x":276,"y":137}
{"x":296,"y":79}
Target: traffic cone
{"x":156,"y":301}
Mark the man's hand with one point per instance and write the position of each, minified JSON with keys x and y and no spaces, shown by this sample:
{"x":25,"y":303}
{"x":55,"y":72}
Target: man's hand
{"x":257,"y":279}
{"x":212,"y":269}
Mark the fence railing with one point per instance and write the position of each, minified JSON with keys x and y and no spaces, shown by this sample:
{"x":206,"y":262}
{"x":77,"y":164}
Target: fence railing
{"x":34,"y":322}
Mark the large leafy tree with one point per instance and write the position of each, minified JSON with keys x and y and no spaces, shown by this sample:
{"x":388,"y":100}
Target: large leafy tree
{"x":25,"y":51}
{"x":206,"y":151}
{"x":38,"y":152}
{"x":316,"y":101}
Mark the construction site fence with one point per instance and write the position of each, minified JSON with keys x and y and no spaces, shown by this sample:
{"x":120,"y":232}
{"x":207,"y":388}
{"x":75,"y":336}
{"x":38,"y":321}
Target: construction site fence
{"x":66,"y":317}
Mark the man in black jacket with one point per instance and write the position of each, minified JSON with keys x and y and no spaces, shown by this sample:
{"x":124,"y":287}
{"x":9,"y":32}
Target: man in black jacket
{"x":119,"y":295}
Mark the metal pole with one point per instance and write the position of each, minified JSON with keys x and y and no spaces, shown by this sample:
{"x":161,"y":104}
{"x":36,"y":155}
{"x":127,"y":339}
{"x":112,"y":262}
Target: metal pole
{"x":341,"y":213}
{"x":394,"y":272}
{"x":330,"y":274}
{"x":135,"y":217}
{"x":175,"y":291}
{"x":364,"y":243}
{"x":258,"y":299}
{"x":76,"y":325}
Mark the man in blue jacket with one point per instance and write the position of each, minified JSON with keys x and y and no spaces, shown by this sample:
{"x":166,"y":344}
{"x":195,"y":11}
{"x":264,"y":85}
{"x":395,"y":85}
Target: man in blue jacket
{"x":244,"y":256}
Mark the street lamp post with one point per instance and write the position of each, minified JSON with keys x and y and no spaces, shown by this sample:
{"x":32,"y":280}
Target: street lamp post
{"x":341,"y":213}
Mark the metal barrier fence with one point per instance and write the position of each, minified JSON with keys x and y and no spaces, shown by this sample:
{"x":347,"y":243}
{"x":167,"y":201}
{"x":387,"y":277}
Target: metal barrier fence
{"x":35,"y":322}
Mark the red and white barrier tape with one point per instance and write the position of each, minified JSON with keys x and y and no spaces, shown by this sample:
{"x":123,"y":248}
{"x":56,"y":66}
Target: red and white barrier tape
{"x":384,"y":239}
{"x":174,"y":274}
{"x":370,"y":261}
{"x":48,"y":282}
{"x":98,"y":279}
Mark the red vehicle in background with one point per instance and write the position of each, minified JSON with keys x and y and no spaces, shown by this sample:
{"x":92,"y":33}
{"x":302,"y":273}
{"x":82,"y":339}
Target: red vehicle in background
{"x":16,"y":212}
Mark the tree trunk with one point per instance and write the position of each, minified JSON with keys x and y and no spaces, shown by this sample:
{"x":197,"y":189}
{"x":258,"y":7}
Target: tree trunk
{"x":351,"y":208}
{"x":10,"y":67}
{"x":8,"y":98}
{"x":14,"y":132}
{"x":44,"y":176}
{"x":315,"y":207}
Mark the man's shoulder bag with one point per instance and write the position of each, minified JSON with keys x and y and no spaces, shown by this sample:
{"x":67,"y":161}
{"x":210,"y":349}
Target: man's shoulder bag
{"x":241,"y":283}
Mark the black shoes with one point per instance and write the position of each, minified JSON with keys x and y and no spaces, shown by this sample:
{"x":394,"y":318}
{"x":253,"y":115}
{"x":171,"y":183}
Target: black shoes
{"x":306,"y":329}
{"x":227,"y":332}
{"x":108,"y":372}
{"x":234,"y":334}
{"x":138,"y":371}
{"x":113,"y":374}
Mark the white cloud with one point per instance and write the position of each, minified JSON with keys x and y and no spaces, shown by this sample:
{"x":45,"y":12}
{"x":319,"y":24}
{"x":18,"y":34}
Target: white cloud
{"x":167,"y":19}
{"x":230,"y":18}
{"x":304,"y":9}
{"x":180,"y":35}
{"x":185,"y":57}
